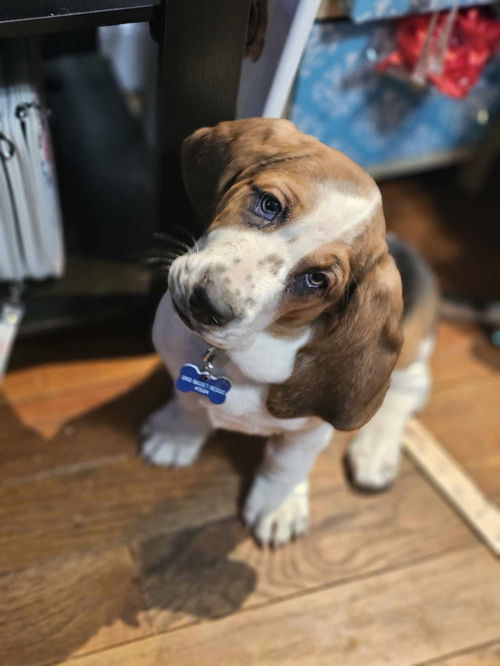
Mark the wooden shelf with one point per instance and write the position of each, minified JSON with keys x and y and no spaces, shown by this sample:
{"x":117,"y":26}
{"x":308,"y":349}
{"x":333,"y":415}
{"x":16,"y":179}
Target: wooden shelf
{"x":31,"y":17}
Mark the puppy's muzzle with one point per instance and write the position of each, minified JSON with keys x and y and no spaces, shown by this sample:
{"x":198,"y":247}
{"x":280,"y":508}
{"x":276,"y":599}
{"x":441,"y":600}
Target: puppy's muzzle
{"x":205,"y":311}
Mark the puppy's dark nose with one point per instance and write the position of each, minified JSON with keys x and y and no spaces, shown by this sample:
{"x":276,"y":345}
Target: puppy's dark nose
{"x":204,"y":311}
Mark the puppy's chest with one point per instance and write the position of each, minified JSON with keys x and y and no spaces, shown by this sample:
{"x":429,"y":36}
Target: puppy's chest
{"x":251,"y":371}
{"x":244,"y":409}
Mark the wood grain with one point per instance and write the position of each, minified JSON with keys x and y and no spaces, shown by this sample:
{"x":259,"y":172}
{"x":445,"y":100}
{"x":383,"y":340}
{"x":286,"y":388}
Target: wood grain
{"x":46,"y":381}
{"x":398,"y":618}
{"x":214,"y":570}
{"x":107,"y":505}
{"x":466,"y":380}
{"x":117,"y":501}
{"x":46,"y":398}
{"x":463,"y":410}
{"x":61,"y":608}
{"x":109,"y":430}
{"x":454,"y":484}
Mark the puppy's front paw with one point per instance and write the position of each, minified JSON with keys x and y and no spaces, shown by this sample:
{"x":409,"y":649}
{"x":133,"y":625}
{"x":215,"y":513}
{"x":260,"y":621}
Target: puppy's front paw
{"x":171,"y":437}
{"x":282,"y":524}
{"x":373,"y":459}
{"x":161,"y":448}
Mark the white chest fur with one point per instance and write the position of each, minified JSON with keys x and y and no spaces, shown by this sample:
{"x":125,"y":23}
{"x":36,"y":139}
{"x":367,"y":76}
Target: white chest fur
{"x":267,"y":360}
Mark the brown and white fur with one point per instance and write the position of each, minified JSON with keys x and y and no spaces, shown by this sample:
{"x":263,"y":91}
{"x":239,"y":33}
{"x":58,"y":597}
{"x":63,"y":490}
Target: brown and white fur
{"x":302,"y":361}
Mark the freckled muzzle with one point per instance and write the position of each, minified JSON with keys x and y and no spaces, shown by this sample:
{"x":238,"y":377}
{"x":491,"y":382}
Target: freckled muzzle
{"x":229,"y":283}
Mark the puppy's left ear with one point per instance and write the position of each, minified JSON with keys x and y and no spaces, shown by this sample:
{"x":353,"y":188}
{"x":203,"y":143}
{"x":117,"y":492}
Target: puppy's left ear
{"x":343,"y":374}
{"x":205,"y":158}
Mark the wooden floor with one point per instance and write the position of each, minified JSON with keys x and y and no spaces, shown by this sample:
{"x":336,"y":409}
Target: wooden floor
{"x":106,"y":561}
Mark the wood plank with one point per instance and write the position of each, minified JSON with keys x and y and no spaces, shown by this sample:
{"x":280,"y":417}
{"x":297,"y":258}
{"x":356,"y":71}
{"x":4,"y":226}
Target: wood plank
{"x":49,"y":380}
{"x":210,"y":570}
{"x":86,"y":507}
{"x":401,"y":617}
{"x":110,"y":430}
{"x":453,"y":483}
{"x":45,"y":398}
{"x":108,"y":505}
{"x":34,"y":17}
{"x":117,"y":500}
{"x":463,"y":410}
{"x":214,"y":570}
{"x":68,"y":607}
{"x":47,"y":417}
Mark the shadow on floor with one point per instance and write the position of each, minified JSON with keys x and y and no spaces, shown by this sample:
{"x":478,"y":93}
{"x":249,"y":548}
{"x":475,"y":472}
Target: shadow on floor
{"x":93,"y":537}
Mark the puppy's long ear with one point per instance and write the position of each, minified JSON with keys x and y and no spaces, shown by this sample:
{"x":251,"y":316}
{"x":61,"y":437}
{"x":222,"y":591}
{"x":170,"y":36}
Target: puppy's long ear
{"x":214,"y":157}
{"x":343,"y":374}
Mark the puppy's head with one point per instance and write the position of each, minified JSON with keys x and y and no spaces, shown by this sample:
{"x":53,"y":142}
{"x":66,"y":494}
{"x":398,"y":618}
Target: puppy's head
{"x":295,"y":238}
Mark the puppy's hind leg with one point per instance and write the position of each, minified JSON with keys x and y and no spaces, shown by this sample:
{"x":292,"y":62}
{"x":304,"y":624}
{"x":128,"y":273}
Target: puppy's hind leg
{"x":175,"y":433}
{"x":374,"y":454}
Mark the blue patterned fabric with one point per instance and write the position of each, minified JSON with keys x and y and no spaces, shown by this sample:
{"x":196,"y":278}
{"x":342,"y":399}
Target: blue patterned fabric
{"x":371,"y":10}
{"x":377,"y":119}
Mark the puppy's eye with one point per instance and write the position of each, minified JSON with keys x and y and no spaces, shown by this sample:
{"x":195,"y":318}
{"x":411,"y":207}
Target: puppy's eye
{"x":304,"y":284}
{"x":268,"y":207}
{"x":316,"y":280}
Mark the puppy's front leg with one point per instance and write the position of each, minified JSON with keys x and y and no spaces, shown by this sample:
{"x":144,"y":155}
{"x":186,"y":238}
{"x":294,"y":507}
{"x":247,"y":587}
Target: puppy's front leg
{"x":277,"y":506}
{"x":175,"y":433}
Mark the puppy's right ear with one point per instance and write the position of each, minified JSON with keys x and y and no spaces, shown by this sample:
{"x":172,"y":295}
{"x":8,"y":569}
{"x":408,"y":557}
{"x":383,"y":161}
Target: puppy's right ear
{"x":342,"y":375}
{"x":214,"y":157}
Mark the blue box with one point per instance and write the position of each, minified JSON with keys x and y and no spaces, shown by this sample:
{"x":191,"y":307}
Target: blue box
{"x":379,"y":121}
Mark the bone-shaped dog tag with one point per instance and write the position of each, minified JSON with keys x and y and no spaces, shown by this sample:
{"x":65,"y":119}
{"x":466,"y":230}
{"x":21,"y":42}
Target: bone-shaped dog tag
{"x":192,"y":379}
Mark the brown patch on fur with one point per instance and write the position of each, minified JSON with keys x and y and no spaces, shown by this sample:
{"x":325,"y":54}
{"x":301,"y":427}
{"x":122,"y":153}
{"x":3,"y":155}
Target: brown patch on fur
{"x":343,"y":374}
{"x":275,"y":263}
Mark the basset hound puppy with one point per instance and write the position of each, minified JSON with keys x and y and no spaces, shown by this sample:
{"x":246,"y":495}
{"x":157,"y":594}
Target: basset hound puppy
{"x":319,"y":320}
